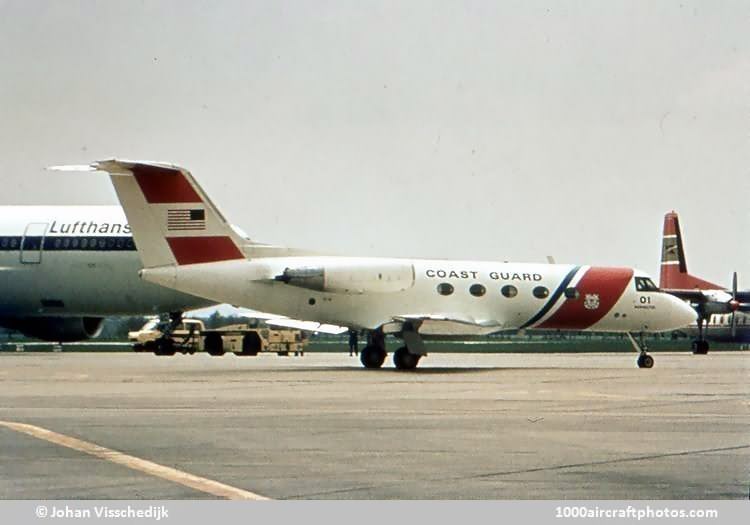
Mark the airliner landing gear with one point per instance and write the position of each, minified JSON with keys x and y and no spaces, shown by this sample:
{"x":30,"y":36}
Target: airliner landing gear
{"x":405,"y":360}
{"x":644,"y":360}
{"x":164,"y":345}
{"x":373,"y":355}
{"x":700,"y":345}
{"x":407,"y":357}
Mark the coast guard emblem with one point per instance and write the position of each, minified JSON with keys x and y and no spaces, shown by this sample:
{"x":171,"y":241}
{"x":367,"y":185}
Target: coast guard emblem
{"x":591,"y":301}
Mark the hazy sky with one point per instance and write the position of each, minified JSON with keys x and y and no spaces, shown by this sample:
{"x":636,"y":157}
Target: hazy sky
{"x":473,"y":130}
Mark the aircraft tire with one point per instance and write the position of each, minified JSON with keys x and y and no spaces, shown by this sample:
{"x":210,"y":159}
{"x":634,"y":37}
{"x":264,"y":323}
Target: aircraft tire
{"x":164,"y":347}
{"x":404,"y":360}
{"x":700,"y":347}
{"x":372,"y":357}
{"x":645,"y":361}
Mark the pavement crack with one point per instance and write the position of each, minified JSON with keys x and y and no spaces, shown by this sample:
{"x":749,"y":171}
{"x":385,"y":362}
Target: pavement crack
{"x":328,"y":492}
{"x":603,"y":462}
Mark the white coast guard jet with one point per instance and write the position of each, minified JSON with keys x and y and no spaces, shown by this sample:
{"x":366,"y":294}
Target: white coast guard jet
{"x":185,"y":243}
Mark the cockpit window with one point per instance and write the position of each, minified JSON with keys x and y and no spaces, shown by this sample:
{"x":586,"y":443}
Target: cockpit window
{"x":644,"y":284}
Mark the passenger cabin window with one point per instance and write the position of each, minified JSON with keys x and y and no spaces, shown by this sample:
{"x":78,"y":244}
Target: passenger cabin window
{"x":477,"y":290}
{"x":509,"y":291}
{"x":540,"y":292}
{"x":572,"y":293}
{"x":644,"y":284}
{"x":445,"y":288}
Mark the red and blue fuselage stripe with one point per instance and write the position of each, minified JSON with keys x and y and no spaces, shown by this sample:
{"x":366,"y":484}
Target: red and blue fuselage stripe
{"x":553,"y":299}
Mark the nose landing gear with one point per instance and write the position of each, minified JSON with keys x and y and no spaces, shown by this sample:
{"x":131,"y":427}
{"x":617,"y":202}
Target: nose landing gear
{"x":644,"y":359}
{"x":164,"y":345}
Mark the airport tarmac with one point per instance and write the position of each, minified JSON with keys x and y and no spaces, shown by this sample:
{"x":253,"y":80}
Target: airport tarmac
{"x":463,"y":426}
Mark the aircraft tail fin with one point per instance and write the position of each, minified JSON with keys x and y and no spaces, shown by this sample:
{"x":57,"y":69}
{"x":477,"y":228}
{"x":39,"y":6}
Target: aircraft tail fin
{"x":172,"y":219}
{"x":674,"y":274}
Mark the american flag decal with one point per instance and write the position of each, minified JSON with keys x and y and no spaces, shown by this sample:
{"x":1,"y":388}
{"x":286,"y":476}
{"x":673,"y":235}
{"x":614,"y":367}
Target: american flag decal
{"x":181,"y":220}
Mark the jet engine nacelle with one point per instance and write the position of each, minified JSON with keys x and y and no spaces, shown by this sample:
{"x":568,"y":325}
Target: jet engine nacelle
{"x":57,"y":329}
{"x":352,"y":277}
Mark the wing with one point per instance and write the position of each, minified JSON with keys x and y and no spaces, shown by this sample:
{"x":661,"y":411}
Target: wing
{"x":444,"y":324}
{"x":713,"y":301}
{"x":694,"y":296}
{"x":309,"y":326}
{"x":280,"y":320}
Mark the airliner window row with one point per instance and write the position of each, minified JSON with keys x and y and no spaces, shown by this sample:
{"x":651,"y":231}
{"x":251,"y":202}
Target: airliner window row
{"x":118,"y":243}
{"x":509,"y":291}
{"x":742,"y":320}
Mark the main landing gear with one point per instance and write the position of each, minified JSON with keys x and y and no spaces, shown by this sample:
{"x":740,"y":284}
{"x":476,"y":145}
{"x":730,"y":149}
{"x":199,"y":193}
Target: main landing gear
{"x":700,"y":345}
{"x":373,"y":354}
{"x":405,"y":358}
{"x":644,"y":360}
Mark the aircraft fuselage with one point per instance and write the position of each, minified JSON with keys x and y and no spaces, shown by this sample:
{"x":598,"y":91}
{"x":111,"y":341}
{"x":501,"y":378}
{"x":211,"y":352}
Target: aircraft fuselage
{"x":75,"y":261}
{"x":475,"y":297}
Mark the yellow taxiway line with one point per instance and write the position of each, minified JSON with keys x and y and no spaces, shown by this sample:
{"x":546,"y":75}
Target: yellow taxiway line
{"x":206,"y":485}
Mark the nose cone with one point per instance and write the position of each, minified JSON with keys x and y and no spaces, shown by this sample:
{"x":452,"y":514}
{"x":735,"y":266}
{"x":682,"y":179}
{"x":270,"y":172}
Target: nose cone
{"x":682,"y":313}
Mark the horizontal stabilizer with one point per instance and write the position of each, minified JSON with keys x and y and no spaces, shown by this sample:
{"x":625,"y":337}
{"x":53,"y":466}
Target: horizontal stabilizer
{"x":73,"y":167}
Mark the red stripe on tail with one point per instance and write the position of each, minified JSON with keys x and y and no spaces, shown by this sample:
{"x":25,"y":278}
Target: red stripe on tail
{"x":607,"y":284}
{"x":194,"y":250}
{"x":164,"y":185}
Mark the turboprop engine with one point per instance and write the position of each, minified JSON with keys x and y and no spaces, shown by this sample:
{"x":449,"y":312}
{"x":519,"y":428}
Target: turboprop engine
{"x":352,"y":277}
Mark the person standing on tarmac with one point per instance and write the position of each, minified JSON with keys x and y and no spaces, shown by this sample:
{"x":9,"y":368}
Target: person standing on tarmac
{"x":353,"y":340}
